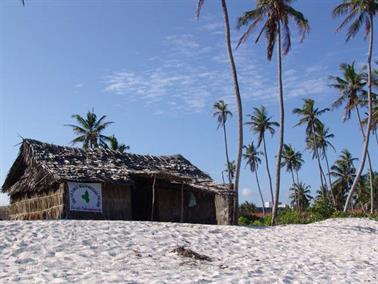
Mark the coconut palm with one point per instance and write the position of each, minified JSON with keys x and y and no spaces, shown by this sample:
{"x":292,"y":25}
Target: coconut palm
{"x":253,"y":160}
{"x":351,"y":89}
{"x":292,"y":161}
{"x":237,"y":98}
{"x":309,"y":116}
{"x":274,"y":16}
{"x":374,"y":120}
{"x":344,"y":173}
{"x":230,"y":169}
{"x":300,"y":196}
{"x":260,"y":123}
{"x":360,"y":13}
{"x":323,"y":136}
{"x":89,"y":130}
{"x":222,"y":113}
{"x":115,"y":145}
{"x":363,"y":195}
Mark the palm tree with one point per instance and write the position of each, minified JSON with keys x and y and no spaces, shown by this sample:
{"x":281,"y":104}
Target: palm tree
{"x":237,"y":98}
{"x":309,"y":116}
{"x":253,"y":160}
{"x":374,"y":120}
{"x":323,"y":136}
{"x":89,"y":130}
{"x":351,"y":89}
{"x":292,"y":160}
{"x":344,"y":173}
{"x":222,"y":113}
{"x":230,"y":169}
{"x":360,"y":13}
{"x":274,"y":16}
{"x":115,"y":145}
{"x":261,"y":123}
{"x":300,"y":198}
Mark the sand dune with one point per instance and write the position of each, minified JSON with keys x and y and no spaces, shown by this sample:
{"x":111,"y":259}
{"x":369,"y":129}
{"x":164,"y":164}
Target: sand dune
{"x":332,"y":251}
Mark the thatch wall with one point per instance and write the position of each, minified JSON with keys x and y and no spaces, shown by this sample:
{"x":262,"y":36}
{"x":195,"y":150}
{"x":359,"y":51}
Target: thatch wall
{"x":116,"y":204}
{"x":46,"y":205}
{"x":4,"y":213}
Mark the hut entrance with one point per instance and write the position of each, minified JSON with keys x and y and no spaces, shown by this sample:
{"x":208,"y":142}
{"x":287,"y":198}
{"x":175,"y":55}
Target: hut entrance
{"x":141,"y":200}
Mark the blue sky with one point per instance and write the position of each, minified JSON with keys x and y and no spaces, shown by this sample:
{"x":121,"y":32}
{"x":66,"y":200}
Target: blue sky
{"x":156,"y":72}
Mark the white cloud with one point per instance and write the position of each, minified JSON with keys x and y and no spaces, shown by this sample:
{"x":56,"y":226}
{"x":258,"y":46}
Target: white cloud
{"x":190,"y":75}
{"x":246,"y":192}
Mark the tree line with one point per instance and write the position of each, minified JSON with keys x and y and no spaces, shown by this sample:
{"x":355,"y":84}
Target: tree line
{"x":274,"y":17}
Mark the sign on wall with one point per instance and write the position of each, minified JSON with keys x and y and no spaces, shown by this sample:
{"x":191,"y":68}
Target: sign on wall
{"x":85,"y":197}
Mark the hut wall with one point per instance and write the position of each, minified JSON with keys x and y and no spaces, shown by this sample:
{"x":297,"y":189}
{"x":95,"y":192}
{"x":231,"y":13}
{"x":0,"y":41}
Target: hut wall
{"x":116,"y":204}
{"x":44,"y":205}
{"x":204,"y":211}
{"x":4,"y":213}
{"x":168,"y":202}
{"x":169,"y":205}
{"x":224,"y":208}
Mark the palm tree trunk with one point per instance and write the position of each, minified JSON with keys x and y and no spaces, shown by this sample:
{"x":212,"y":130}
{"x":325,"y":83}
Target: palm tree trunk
{"x":296,"y":174}
{"x":292,"y":175}
{"x":227,"y":157}
{"x":329,"y":177}
{"x":261,"y":196}
{"x":319,"y":163}
{"x":371,"y":178}
{"x":370,"y":112}
{"x":239,"y":108}
{"x":281,"y":129}
{"x":267,"y":169}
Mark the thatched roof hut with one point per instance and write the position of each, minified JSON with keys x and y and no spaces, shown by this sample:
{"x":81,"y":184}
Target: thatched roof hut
{"x":132,"y":187}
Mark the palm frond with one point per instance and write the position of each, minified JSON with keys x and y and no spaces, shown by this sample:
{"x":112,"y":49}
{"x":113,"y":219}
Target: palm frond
{"x":199,"y":7}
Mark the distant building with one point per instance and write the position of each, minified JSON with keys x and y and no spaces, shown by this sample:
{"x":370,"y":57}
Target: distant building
{"x":54,"y":182}
{"x":269,"y":204}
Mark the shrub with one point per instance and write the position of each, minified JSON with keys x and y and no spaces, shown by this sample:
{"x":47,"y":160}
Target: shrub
{"x":247,"y":209}
{"x":322,"y":209}
{"x":254,"y":221}
{"x":290,"y":216}
{"x":244,"y":221}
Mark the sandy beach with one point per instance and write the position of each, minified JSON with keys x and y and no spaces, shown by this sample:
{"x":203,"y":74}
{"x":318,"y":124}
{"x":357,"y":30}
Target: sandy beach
{"x":332,"y":251}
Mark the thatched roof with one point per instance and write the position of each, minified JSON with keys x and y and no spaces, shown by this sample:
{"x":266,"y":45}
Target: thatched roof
{"x":41,"y":164}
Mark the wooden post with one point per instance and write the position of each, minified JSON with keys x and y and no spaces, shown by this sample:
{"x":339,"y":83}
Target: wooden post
{"x":153,"y":198}
{"x":182,"y":204}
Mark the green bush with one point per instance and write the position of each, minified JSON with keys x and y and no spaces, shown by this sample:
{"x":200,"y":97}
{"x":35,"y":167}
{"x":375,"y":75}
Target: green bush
{"x":290,"y":216}
{"x":247,"y":209}
{"x":254,"y":221}
{"x":340,"y":214}
{"x":244,"y":221}
{"x":322,"y":209}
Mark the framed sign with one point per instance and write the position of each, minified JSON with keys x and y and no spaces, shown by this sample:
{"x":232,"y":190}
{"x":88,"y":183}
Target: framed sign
{"x":85,"y":197}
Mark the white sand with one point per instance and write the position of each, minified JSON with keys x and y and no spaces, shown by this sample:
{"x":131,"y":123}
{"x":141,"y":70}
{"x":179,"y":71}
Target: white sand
{"x":333,"y":251}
